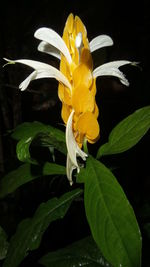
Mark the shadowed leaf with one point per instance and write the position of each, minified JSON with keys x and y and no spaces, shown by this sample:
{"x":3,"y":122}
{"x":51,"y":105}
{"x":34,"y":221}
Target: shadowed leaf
{"x":81,"y":253}
{"x":30,"y":231}
{"x":26,"y":173}
{"x":3,"y":244}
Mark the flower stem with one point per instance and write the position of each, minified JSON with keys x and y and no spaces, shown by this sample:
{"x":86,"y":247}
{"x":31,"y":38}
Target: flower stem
{"x":85,"y":148}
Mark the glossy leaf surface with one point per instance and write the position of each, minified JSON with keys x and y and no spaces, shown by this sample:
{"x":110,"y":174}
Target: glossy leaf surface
{"x":127,"y":133}
{"x":81,"y":253}
{"x":111,"y":217}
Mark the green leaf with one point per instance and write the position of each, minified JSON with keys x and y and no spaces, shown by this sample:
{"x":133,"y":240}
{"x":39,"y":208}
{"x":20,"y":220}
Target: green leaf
{"x":30,"y":129}
{"x":3,"y":244}
{"x":29,"y":232}
{"x":22,"y":150}
{"x":127,"y":133}
{"x":26,"y":173}
{"x":52,"y":140}
{"x":111,"y":217}
{"x":43,"y":135}
{"x":52,"y":169}
{"x":81,"y":253}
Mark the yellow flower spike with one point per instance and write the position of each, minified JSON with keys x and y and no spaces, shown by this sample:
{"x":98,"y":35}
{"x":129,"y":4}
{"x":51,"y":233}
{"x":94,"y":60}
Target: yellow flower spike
{"x":88,"y":126}
{"x":77,"y":81}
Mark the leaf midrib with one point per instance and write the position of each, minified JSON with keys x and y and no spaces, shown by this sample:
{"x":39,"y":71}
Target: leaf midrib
{"x":109,"y":214}
{"x":128,"y":130}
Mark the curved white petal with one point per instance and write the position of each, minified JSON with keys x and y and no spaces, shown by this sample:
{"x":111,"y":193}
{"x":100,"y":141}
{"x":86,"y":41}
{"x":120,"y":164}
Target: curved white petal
{"x":31,"y":63}
{"x":100,"y":41}
{"x":43,"y":70}
{"x":72,"y":146}
{"x":54,"y":39}
{"x":23,"y":86}
{"x":49,"y":49}
{"x":111,"y":69}
{"x":70,"y":167}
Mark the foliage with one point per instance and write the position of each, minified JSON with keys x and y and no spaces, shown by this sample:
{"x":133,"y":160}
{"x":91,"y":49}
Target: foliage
{"x":116,"y":238}
{"x":26,"y":173}
{"x":81,"y":253}
{"x":127,"y":133}
{"x":110,"y":216}
{"x":29,"y":232}
{"x":3,"y":244}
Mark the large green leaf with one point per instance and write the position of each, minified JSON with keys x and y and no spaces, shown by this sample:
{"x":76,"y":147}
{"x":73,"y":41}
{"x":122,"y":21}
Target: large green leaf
{"x":111,"y":217}
{"x":26,"y":173}
{"x":81,"y":253}
{"x":46,"y":135}
{"x":29,"y":232}
{"x":127,"y":133}
{"x":28,"y":129}
{"x":3,"y":244}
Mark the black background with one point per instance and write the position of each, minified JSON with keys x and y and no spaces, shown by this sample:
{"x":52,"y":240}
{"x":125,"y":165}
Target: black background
{"x":128,"y":23}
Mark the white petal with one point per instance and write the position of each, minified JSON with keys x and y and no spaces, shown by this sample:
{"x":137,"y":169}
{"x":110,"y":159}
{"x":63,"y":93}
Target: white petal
{"x":44,"y":70}
{"x":79,"y":43}
{"x":31,"y":63}
{"x":23,"y":86}
{"x":72,"y":146}
{"x":100,"y":41}
{"x":111,"y":69}
{"x":54,"y":39}
{"x":49,"y":49}
{"x":70,"y":167}
{"x":37,"y":74}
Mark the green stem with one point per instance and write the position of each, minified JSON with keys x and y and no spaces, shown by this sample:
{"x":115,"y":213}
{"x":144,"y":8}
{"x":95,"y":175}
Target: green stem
{"x":85,"y":148}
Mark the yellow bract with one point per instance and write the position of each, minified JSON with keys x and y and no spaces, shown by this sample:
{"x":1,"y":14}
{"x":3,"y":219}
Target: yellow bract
{"x":87,"y":125}
{"x":81,"y":98}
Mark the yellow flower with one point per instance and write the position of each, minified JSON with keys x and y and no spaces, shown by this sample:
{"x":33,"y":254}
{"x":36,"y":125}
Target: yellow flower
{"x":77,"y":82}
{"x":81,"y":98}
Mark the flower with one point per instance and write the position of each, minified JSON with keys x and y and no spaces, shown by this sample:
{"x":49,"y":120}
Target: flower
{"x":77,"y":82}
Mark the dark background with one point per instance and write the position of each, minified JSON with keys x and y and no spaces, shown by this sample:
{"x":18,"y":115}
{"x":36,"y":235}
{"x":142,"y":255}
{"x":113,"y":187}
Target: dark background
{"x":128,"y":23}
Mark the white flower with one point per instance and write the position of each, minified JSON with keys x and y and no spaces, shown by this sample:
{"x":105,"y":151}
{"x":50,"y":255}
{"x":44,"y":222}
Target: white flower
{"x":73,"y":150}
